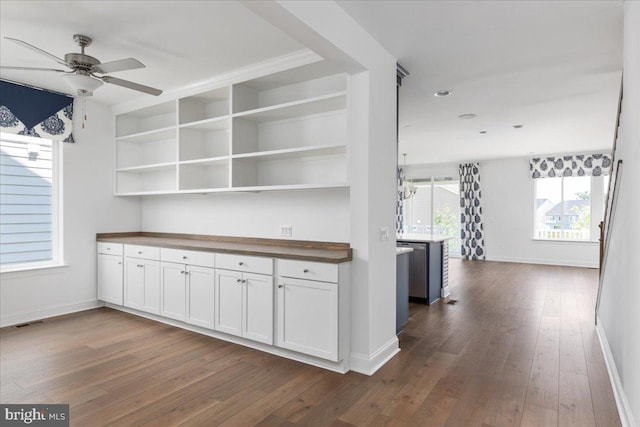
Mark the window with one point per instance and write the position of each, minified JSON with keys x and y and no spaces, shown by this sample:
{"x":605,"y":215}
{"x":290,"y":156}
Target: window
{"x":29,"y":217}
{"x":435,"y":209}
{"x":568,"y":208}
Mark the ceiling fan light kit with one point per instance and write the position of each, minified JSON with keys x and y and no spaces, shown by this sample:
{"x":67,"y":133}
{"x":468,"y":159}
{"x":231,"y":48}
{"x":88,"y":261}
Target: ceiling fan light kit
{"x":82,"y":77}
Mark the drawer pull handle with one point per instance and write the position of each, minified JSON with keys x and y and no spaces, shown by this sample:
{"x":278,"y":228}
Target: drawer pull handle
{"x":139,"y":252}
{"x":305,"y":270}
{"x":108,"y":249}
{"x":281,"y":286}
{"x":120,"y":262}
{"x":241,"y":263}
{"x":184,"y":257}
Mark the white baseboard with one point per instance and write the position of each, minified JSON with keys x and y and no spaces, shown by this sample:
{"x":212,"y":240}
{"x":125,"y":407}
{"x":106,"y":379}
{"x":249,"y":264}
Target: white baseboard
{"x":624,"y":410}
{"x":368,"y":365}
{"x":43,"y":313}
{"x":560,"y":262}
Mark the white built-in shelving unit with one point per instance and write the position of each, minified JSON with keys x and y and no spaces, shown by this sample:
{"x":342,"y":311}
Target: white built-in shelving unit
{"x":282,"y":131}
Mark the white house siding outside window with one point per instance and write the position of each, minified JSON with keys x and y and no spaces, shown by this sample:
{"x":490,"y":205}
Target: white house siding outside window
{"x":29,"y":208}
{"x":569,"y":208}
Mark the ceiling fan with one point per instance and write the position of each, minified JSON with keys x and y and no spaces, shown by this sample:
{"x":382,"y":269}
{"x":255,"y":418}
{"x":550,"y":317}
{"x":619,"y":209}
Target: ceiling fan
{"x":83,"y":77}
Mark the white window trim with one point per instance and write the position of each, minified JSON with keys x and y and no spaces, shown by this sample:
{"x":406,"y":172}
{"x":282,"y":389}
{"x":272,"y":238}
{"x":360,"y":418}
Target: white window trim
{"x":57,"y":222}
{"x":597,"y":193}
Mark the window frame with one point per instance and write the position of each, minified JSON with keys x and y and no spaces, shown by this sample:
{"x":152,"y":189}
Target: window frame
{"x":57,"y":247}
{"x":596,"y":209}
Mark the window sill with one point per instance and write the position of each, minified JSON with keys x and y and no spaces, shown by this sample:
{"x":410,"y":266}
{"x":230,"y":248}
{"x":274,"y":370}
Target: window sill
{"x":37,"y":270}
{"x":564,"y":241}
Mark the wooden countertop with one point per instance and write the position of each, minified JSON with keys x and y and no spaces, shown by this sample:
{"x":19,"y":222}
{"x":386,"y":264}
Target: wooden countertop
{"x":329,"y":252}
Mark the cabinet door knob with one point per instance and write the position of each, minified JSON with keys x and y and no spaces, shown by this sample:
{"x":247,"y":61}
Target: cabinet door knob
{"x":281,"y":286}
{"x":241,"y":263}
{"x":239,"y":281}
{"x":182,"y":272}
{"x":184,"y":257}
{"x":120,"y":262}
{"x":139,"y":252}
{"x":108,"y":249}
{"x":305,"y":270}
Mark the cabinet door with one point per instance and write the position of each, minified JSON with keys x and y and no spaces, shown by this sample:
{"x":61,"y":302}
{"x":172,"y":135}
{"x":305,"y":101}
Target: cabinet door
{"x":151,"y":286}
{"x":308,"y":317}
{"x":110,"y":282}
{"x":173,"y":288}
{"x":258,"y":308}
{"x":133,"y":283}
{"x":200,"y":296}
{"x":228,"y":302}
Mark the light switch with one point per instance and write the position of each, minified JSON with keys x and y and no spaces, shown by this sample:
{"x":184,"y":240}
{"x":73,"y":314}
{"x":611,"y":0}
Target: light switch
{"x":384,"y":234}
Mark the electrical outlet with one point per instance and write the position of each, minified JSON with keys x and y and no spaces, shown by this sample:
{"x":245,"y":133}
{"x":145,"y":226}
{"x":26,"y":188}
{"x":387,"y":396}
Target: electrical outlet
{"x":384,"y":234}
{"x":286,"y":230}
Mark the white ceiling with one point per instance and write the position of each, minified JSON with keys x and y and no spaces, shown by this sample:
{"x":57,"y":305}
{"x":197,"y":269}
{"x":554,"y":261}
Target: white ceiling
{"x":180,"y":42}
{"x":552,"y":66}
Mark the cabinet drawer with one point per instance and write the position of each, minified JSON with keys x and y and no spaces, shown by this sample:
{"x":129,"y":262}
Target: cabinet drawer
{"x":137,"y":251}
{"x":205,"y":259}
{"x":308,"y":270}
{"x":110,"y":248}
{"x":250,"y":264}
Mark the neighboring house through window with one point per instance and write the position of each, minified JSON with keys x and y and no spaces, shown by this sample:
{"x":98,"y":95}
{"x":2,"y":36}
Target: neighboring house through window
{"x":29,"y":208}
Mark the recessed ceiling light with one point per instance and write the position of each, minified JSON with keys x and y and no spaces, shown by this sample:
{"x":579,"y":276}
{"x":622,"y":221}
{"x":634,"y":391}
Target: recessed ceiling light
{"x":483,"y":131}
{"x":518,"y":126}
{"x":467,"y":116}
{"x":441,"y":93}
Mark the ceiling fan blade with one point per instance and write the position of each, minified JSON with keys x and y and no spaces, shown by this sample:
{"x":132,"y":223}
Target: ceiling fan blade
{"x":4,"y":67}
{"x":38,"y":50}
{"x":119,"y":65}
{"x":130,"y":85}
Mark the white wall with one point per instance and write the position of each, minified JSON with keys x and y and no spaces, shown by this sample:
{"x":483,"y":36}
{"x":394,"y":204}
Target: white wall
{"x":314,"y":215}
{"x":507,"y":205}
{"x":88,"y":208}
{"x":619,"y":314}
{"x":508,"y":201}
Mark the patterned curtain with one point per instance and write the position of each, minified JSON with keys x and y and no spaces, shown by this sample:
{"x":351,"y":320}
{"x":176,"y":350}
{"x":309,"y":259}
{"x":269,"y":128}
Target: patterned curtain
{"x":399,"y":202}
{"x":471,"y":230}
{"x":35,"y":112}
{"x":575,"y":165}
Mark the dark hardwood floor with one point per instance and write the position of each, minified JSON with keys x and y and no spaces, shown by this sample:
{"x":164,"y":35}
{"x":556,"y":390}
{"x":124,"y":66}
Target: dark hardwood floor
{"x":517,"y":348}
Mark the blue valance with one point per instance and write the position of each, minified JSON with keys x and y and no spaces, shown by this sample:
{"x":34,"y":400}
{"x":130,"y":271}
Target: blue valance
{"x":574,"y":165}
{"x":35,"y":112}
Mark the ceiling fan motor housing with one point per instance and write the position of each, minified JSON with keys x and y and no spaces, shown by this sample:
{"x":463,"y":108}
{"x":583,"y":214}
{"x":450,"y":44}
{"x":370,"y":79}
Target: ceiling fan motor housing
{"x":80,"y":61}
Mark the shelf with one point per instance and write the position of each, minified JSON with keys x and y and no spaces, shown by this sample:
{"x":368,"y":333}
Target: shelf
{"x":147,"y":168}
{"x":150,"y":135}
{"x":150,"y":119}
{"x":154,"y":178}
{"x":215,"y":124}
{"x":210,"y":160}
{"x":290,"y":110}
{"x":292,"y":153}
{"x":206,"y":175}
{"x":204,"y":106}
{"x":284,"y":131}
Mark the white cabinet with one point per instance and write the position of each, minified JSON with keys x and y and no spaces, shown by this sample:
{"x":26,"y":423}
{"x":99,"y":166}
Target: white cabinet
{"x":286,"y":130}
{"x":188,"y":286}
{"x":110,"y":280}
{"x":311,"y":301}
{"x":200,"y":295}
{"x":142,"y":278}
{"x":244,"y":301}
{"x":173,"y":301}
